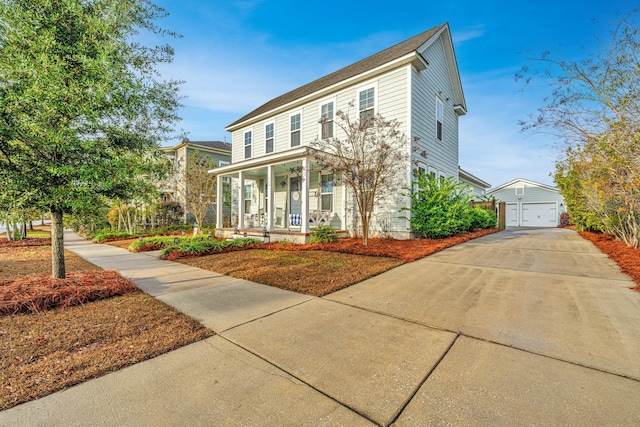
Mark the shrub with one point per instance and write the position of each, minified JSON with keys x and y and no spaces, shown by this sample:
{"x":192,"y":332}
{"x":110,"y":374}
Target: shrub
{"x":323,"y":234}
{"x":199,"y":246}
{"x":565,"y":219}
{"x":439,"y":207}
{"x":482,"y":218}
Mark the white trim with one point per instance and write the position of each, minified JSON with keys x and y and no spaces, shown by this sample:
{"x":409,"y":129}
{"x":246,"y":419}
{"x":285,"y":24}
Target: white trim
{"x":525,"y":181}
{"x":441,"y":103}
{"x":378,"y":72}
{"x":244,"y":143}
{"x":291,"y":114}
{"x":264,"y":129}
{"x":376,"y":94}
{"x":325,"y":101}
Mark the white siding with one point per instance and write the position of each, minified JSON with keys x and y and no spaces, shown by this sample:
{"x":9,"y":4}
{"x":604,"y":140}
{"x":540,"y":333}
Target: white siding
{"x":427,"y":85}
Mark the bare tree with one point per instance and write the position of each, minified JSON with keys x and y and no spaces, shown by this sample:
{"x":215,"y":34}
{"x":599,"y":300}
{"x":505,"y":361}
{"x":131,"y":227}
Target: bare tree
{"x":368,"y":159}
{"x":594,"y":109}
{"x":198,"y":187}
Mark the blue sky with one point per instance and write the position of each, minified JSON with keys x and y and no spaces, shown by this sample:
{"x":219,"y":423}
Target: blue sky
{"x":236,"y":55}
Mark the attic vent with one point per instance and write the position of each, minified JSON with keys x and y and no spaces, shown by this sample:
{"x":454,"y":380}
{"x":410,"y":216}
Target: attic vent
{"x":519,"y":191}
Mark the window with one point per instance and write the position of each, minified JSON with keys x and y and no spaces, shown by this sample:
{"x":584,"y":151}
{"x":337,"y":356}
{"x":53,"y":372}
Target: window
{"x":326,"y":192}
{"x":366,"y":104}
{"x":268,"y":137}
{"x":247,"y":198}
{"x":519,"y":191}
{"x":326,"y":120}
{"x":295,"y":130}
{"x":247,"y":145}
{"x":439,"y":118}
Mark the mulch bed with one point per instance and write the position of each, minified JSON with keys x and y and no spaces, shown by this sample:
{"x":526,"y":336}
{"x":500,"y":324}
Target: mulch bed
{"x":36,"y":293}
{"x":28,"y":241}
{"x":405,"y":250}
{"x":627,"y":257}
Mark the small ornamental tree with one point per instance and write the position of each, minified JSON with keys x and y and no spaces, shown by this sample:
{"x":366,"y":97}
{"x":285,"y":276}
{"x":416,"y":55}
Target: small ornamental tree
{"x":368,"y":158}
{"x":198,"y":187}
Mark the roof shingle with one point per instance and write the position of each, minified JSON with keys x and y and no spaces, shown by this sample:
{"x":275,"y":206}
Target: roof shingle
{"x":394,"y":52}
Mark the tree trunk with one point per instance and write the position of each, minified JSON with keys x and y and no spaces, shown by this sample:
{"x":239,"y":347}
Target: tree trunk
{"x":57,"y":246}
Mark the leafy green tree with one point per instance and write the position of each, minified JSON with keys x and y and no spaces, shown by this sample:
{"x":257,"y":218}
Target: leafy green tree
{"x":82,"y":107}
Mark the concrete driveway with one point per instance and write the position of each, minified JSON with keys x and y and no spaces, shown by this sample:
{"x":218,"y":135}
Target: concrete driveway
{"x":524,"y":327}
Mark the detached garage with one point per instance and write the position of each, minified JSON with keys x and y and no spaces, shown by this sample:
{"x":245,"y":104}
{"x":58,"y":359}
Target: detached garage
{"x":529,"y":203}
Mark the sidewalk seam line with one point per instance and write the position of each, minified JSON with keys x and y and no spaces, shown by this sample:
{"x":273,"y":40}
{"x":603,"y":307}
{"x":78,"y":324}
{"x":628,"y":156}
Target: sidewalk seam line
{"x":298,"y":379}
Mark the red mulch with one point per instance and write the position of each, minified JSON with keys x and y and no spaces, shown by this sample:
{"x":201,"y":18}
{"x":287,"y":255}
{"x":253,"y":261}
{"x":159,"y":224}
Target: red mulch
{"x":405,"y":250}
{"x":28,"y":241}
{"x":36,"y":293}
{"x":627,"y":257}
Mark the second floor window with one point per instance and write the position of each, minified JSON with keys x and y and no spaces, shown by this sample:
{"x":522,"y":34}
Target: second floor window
{"x":366,"y":104}
{"x":268,"y":137}
{"x":439,"y":118}
{"x":247,"y":145}
{"x":295,"y":130}
{"x":326,"y":120}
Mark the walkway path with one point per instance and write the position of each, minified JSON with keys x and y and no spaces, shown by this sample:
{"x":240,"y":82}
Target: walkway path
{"x":519,"y":328}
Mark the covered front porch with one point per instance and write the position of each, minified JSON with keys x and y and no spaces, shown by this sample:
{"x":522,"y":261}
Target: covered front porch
{"x":283,"y":196}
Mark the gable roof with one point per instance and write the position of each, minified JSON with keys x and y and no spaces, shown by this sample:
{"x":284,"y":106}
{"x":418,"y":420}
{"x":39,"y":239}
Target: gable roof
{"x":217,"y":145}
{"x":370,"y":63}
{"x":523,"y":181}
{"x":211,"y":145}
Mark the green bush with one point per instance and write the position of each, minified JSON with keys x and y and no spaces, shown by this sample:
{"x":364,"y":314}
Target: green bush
{"x":439,"y":207}
{"x":198,"y":246}
{"x":482,"y":218}
{"x":323,"y":234}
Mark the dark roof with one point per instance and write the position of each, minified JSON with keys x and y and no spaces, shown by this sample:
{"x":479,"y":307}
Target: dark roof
{"x":219,"y":145}
{"x":394,"y":52}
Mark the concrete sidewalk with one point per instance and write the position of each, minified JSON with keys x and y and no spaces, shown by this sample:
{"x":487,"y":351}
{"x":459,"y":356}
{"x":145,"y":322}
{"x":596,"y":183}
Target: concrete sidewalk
{"x":518,"y":328}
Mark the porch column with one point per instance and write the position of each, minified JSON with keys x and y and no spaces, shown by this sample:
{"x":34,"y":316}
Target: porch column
{"x":219,"y":202}
{"x":241,"y":200}
{"x":304,"y":197}
{"x":270,"y":197}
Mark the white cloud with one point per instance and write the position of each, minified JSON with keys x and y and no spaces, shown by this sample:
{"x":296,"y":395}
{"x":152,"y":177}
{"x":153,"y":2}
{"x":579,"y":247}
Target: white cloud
{"x":468,"y":33}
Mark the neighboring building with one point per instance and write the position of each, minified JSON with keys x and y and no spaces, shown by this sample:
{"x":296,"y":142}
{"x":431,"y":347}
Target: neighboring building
{"x":529,"y":203}
{"x":282,"y":189}
{"x":479,"y":187}
{"x":179,"y":155}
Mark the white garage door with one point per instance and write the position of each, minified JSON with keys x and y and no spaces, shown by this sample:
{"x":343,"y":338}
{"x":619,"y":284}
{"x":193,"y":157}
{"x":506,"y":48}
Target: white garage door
{"x":539,"y":215}
{"x":512,"y":214}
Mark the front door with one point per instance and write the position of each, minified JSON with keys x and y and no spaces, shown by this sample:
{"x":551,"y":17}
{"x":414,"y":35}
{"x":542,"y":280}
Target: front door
{"x":294,"y":196}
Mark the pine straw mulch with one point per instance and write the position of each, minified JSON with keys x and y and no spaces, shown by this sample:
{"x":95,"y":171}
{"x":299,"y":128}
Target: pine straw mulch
{"x":37,"y":293}
{"x":627,"y":257}
{"x":50,"y":350}
{"x":320,"y":269}
{"x":405,"y":250}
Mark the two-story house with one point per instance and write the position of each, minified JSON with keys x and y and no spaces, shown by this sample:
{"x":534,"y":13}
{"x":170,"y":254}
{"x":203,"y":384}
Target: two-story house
{"x":279,"y":186}
{"x":179,"y":155}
